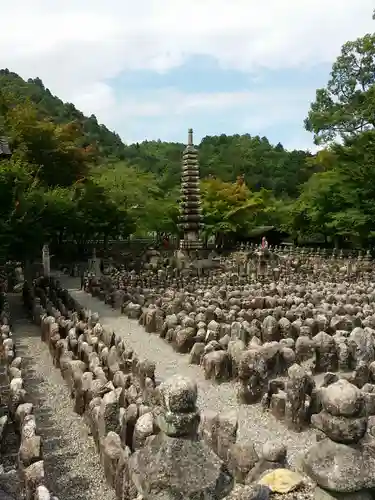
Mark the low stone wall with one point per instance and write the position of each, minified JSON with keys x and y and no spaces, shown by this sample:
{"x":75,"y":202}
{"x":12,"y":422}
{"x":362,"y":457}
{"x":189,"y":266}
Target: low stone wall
{"x":110,"y":386}
{"x":23,"y":475}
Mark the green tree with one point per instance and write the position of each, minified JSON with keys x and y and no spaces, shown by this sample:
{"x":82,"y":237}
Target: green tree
{"x":47,"y":148}
{"x":339,"y":202}
{"x":347,"y":105}
{"x":106,"y":143}
{"x":231,"y":210}
{"x":98,"y":216}
{"x":322,"y":196}
{"x":14,"y":182}
{"x":29,"y":214}
{"x":139,"y":193}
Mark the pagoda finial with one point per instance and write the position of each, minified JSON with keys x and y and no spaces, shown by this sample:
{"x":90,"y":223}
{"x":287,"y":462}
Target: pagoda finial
{"x":190,"y":137}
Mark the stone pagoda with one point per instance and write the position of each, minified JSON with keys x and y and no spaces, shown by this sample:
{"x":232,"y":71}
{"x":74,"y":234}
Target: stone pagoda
{"x":191,"y":217}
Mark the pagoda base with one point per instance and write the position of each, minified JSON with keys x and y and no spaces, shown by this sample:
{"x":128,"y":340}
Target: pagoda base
{"x":190,"y":245}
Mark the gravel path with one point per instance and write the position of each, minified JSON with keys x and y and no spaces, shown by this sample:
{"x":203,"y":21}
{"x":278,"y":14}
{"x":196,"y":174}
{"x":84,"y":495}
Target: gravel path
{"x":254,"y":424}
{"x":73,"y":469}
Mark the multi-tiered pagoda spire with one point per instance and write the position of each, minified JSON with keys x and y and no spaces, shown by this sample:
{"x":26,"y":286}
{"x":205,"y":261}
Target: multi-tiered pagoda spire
{"x":191,"y":217}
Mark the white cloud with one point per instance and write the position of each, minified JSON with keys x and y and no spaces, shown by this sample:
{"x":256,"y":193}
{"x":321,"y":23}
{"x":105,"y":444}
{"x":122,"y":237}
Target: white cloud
{"x":172,"y":102}
{"x":174,"y":110}
{"x":76,"y":47}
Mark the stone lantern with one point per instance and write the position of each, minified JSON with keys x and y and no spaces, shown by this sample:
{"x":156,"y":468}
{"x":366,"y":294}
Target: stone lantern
{"x":5,"y":151}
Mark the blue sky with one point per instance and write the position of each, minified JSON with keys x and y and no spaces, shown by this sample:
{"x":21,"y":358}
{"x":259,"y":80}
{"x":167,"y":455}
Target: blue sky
{"x":153,"y":68}
{"x":288,"y":93}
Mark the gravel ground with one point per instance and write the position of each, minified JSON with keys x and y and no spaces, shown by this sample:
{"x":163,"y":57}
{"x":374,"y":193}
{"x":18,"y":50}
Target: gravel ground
{"x":254,"y":424}
{"x":72,"y":465}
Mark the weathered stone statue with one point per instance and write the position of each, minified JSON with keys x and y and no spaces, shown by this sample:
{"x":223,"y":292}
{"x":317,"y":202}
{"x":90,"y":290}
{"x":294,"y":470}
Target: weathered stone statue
{"x":175,"y":464}
{"x":298,"y":388}
{"x":46,"y":261}
{"x":342,"y":461}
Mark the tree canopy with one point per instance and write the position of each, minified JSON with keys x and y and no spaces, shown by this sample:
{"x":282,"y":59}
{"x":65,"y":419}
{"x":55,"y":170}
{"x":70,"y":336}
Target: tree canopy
{"x":338,"y":201}
{"x":347,"y":105}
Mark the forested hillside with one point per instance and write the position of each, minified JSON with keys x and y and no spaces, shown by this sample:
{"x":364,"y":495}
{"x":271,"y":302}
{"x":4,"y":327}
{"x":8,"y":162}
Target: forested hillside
{"x":51,"y":107}
{"x":72,"y":179}
{"x":225,"y":157}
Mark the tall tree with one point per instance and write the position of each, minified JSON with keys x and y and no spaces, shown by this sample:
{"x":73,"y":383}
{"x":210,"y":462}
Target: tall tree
{"x":339,"y":202}
{"x":231,"y":210}
{"x":347,"y":105}
{"x":138,"y":192}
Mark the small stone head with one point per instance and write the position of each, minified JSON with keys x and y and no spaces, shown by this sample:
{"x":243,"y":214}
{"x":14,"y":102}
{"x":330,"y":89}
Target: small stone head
{"x":178,"y":395}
